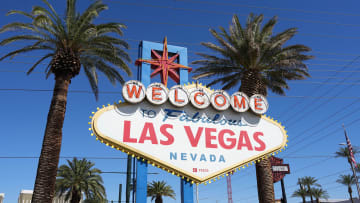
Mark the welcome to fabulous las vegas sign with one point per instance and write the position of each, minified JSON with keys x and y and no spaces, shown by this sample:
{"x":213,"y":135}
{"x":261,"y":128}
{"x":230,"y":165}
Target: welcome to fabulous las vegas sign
{"x":189,"y":130}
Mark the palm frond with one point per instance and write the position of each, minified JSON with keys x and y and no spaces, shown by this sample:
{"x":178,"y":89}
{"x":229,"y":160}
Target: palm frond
{"x":75,"y":38}
{"x":254,"y":48}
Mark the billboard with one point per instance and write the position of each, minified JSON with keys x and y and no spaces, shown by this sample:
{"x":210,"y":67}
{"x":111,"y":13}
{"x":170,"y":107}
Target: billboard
{"x":189,"y":140}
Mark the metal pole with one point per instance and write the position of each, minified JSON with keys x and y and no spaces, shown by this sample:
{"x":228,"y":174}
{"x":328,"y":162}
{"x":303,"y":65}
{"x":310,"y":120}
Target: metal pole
{"x":352,"y":166}
{"x":120,"y":190}
{"x":356,"y":179}
{"x":128,"y":179}
{"x":197,"y":193}
{"x":283,"y":191}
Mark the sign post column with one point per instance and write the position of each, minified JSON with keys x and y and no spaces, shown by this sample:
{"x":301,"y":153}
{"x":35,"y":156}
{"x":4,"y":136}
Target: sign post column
{"x":142,"y":166}
{"x":186,"y":186}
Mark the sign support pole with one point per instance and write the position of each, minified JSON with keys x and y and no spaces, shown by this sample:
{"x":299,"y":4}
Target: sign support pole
{"x":141,"y":181}
{"x":128,"y":179}
{"x":142,"y":166}
{"x":144,"y":73}
{"x":284,"y":200}
{"x":187,"y":190}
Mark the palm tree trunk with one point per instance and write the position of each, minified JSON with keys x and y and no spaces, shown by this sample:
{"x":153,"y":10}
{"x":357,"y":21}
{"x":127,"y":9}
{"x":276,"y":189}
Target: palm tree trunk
{"x":311,"y":197}
{"x":251,"y":84}
{"x":75,"y":198}
{"x":265,"y":182}
{"x":303,"y":196}
{"x":158,"y":199}
{"x":49,"y":158}
{"x":350,"y":193}
{"x":303,"y":199}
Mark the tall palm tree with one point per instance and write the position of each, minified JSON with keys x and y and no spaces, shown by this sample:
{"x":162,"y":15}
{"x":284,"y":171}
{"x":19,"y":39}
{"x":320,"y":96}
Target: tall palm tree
{"x":259,"y":60}
{"x":309,"y":181}
{"x":319,"y":193}
{"x":77,"y":178}
{"x":302,"y":192}
{"x":347,"y":180}
{"x":71,"y":42}
{"x":157,"y":189}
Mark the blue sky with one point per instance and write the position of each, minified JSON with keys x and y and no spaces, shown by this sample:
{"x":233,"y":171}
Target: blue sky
{"x":312,"y":111}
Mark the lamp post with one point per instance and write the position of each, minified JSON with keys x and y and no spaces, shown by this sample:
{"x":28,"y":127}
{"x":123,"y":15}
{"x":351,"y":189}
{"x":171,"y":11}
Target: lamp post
{"x":351,"y":163}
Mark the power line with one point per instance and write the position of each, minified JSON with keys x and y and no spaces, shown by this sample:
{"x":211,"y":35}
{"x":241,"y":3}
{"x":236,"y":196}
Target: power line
{"x":324,"y":136}
{"x":195,"y":58}
{"x":119,"y":92}
{"x":61,"y":157}
{"x":308,"y":157}
{"x":329,"y":124}
{"x":242,"y":5}
{"x":229,"y":13}
{"x":208,"y":26}
{"x":120,"y":172}
{"x":317,"y":89}
{"x":312,"y":164}
{"x":330,"y":116}
{"x":316,"y":77}
{"x":199,"y":44}
{"x":269,"y":8}
{"x":323,"y":177}
{"x":134,"y":50}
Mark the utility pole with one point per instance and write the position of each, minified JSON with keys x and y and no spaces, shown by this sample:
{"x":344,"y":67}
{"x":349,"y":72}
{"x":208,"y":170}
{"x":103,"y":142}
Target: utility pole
{"x":351,"y":162}
{"x":197,"y":193}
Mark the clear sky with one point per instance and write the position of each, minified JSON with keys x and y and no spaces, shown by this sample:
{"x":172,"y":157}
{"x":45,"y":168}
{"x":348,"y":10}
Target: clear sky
{"x":312,"y":110}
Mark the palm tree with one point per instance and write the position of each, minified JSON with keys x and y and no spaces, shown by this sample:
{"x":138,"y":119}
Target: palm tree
{"x":71,"y":42}
{"x":309,"y":181}
{"x":344,"y":152}
{"x":157,"y":189}
{"x":302,"y":192}
{"x":259,"y":60}
{"x":319,"y":193}
{"x":77,"y":178}
{"x":347,"y":180}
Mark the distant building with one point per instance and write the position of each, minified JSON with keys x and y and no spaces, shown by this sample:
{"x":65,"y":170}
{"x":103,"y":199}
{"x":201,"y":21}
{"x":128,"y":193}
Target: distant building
{"x":2,"y":196}
{"x":26,"y":195}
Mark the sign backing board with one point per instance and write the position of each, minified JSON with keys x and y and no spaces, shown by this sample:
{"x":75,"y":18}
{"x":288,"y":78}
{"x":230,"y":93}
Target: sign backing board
{"x":200,"y":144}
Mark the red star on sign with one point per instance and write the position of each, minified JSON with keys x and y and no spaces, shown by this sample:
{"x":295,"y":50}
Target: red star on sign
{"x":164,"y":65}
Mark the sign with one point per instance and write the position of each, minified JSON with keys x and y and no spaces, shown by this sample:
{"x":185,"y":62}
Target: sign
{"x":281,"y":168}
{"x":278,"y":168}
{"x":200,"y":144}
{"x":200,"y":97}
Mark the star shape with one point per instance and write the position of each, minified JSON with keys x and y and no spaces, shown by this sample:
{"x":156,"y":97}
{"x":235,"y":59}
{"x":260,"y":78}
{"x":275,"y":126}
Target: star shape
{"x":164,"y":65}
